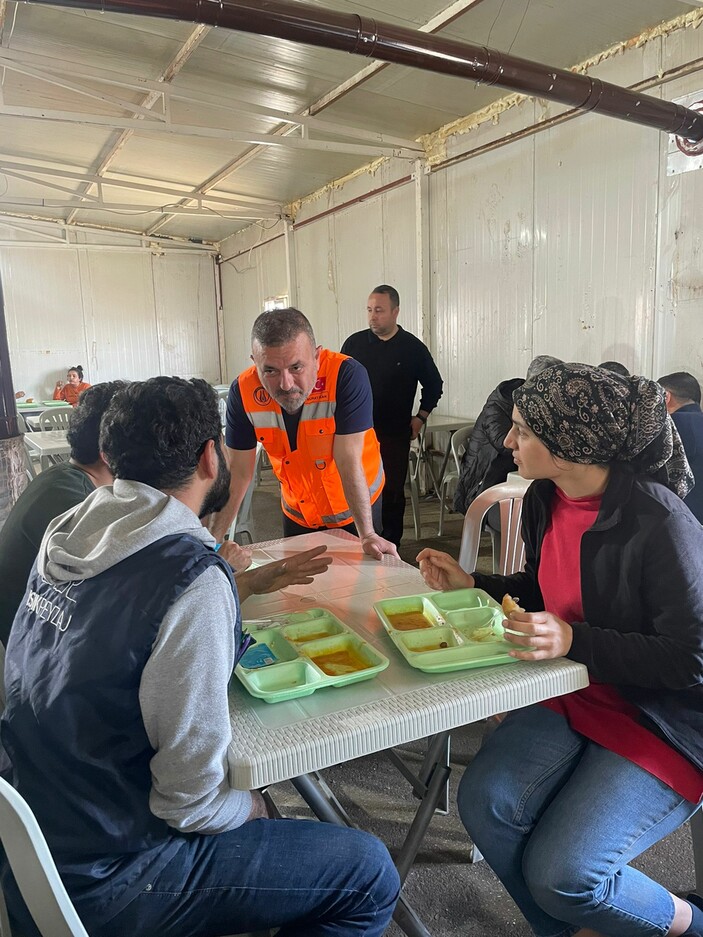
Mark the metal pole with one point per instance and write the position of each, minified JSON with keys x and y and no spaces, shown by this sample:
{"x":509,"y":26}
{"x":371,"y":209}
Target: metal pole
{"x":300,"y":22}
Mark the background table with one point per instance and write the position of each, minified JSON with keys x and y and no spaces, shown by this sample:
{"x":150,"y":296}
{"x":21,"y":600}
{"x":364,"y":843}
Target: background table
{"x":438,"y":423}
{"x":277,"y":742}
{"x":50,"y":445}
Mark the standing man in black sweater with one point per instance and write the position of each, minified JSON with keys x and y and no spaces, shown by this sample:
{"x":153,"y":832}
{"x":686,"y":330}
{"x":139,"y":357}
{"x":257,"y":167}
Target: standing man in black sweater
{"x":396,"y":361}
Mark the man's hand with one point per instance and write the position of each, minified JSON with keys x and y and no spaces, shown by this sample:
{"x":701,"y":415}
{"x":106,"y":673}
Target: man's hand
{"x":238,"y":557}
{"x":259,"y":810}
{"x":441,"y":571}
{"x":547,"y":635}
{"x":297,"y":570}
{"x":374,"y":545}
{"x":416,"y":425}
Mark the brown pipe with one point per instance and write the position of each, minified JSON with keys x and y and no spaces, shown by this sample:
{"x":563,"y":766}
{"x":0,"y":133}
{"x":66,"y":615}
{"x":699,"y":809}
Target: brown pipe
{"x":300,"y":22}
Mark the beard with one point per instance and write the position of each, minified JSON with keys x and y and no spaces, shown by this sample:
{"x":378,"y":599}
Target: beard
{"x":218,"y":495}
{"x":291,"y":400}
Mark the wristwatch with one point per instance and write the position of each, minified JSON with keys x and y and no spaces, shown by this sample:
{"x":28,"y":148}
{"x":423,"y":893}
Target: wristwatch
{"x":419,"y":416}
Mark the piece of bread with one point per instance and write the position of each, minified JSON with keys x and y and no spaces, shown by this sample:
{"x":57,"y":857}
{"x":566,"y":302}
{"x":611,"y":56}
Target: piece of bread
{"x":510,"y":605}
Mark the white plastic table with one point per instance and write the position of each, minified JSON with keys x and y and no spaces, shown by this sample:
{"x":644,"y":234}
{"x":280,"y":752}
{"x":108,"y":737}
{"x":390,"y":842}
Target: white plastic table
{"x":49,"y":445}
{"x":293,"y":740}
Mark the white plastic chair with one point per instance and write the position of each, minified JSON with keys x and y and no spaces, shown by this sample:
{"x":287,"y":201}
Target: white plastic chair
{"x":508,"y":496}
{"x":55,"y":418}
{"x":459,"y":441}
{"x":414,"y":481}
{"x":34,"y":870}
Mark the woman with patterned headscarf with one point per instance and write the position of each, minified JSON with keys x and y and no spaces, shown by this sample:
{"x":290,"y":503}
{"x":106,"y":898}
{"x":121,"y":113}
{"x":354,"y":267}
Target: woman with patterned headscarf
{"x":566,"y":793}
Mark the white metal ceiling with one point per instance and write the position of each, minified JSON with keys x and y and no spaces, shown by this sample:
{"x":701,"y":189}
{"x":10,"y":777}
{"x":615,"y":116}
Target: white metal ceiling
{"x":79,"y":88}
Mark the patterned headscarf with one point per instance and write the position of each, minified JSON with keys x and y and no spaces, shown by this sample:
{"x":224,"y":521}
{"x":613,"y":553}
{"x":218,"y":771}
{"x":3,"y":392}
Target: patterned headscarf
{"x":594,"y":417}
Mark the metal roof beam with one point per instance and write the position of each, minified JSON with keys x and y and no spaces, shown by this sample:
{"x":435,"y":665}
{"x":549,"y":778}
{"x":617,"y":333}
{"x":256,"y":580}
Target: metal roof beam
{"x":77,"y":70}
{"x":214,"y":133}
{"x":11,"y":167}
{"x":75,"y":86}
{"x":342,"y":130}
{"x":99,"y":205}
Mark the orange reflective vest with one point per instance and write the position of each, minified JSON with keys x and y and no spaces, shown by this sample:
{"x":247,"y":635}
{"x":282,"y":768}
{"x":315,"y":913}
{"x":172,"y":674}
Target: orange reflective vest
{"x":311,"y":488}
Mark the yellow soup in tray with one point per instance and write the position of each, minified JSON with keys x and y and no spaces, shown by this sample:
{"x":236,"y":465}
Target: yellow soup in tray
{"x":408,"y":621}
{"x":338,"y":663}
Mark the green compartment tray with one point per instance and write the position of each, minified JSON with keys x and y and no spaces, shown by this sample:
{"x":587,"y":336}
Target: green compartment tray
{"x":443,"y":631}
{"x":293,"y":656}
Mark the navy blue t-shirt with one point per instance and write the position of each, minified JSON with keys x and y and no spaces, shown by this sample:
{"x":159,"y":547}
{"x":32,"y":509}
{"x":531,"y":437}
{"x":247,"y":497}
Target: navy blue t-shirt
{"x":353,"y":413}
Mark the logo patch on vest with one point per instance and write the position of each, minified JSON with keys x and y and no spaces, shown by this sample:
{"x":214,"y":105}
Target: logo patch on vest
{"x":320,"y":385}
{"x":262,"y":396}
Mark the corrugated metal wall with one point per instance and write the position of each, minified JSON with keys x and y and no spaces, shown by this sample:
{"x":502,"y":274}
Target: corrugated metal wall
{"x":121,"y":314}
{"x":570,"y":241}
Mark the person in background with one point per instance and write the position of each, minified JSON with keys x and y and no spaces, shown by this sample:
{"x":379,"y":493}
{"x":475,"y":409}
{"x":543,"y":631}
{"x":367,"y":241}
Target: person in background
{"x":73,"y":388}
{"x":312,"y":411}
{"x":564,"y":794}
{"x":486,"y":461}
{"x":683,"y":401}
{"x":129,"y":637}
{"x":396,"y":361}
{"x":52,"y":492}
{"x":615,"y":367}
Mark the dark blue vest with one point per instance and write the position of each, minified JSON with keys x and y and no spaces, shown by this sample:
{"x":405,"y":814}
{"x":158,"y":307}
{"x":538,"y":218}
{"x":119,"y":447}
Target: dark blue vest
{"x":73,"y":726}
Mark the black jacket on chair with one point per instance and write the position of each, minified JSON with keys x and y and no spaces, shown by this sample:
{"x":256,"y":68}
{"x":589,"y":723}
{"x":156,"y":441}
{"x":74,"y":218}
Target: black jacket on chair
{"x":486,"y":461}
{"x":642,"y":593}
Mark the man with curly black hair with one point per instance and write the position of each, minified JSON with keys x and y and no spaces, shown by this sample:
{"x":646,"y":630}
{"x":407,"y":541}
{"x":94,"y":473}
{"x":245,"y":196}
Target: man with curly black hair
{"x":117,"y":720}
{"x":54,"y":491}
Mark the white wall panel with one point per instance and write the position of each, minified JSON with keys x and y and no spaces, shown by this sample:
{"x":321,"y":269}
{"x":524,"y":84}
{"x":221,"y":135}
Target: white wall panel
{"x":186,"y":316}
{"x":120,"y":316}
{"x":44,"y":315}
{"x":316,"y":273}
{"x":112,"y":307}
{"x":481,"y":243}
{"x":595,"y":243}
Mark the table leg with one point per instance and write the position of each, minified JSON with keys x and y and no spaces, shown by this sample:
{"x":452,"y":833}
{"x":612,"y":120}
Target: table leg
{"x":323,"y":807}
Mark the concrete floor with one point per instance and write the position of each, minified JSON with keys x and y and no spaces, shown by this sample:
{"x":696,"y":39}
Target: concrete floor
{"x":454,"y":897}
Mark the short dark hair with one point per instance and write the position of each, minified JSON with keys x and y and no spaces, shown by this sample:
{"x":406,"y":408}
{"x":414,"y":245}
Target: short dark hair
{"x":682,"y":385}
{"x":78,"y":368}
{"x":389,"y":291}
{"x":615,"y":368}
{"x":280,"y":326}
{"x":84,"y":424}
{"x":155,"y":431}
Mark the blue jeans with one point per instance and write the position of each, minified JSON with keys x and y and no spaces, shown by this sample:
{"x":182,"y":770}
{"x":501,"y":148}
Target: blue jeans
{"x":558,"y":818}
{"x":311,"y":879}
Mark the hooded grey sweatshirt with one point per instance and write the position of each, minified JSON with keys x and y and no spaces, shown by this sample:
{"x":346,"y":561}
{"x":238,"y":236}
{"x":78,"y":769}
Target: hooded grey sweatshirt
{"x":183,"y":689}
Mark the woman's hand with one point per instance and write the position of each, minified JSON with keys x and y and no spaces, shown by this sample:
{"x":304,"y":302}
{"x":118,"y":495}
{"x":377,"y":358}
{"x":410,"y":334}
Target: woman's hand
{"x":59,"y":385}
{"x":442,"y":572}
{"x":546,"y":635}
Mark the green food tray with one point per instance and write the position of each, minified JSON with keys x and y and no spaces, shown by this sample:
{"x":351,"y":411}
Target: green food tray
{"x":55,"y":403}
{"x":296,"y":642}
{"x":467,"y":621}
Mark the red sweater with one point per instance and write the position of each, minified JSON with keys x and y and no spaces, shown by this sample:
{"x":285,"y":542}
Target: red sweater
{"x":599,"y":712}
{"x":70,"y":393}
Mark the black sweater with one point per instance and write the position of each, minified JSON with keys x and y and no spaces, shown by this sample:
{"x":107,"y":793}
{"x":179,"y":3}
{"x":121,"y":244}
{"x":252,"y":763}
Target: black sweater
{"x":395,"y":367}
{"x":642,"y":594}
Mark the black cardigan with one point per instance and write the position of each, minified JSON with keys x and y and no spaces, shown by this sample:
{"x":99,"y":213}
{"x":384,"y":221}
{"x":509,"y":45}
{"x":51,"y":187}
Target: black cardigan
{"x":642,"y":595}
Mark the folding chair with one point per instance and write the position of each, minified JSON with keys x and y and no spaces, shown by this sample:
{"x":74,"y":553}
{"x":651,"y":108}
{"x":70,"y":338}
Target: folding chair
{"x":459,"y":441}
{"x":55,"y":418}
{"x":414,"y":481}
